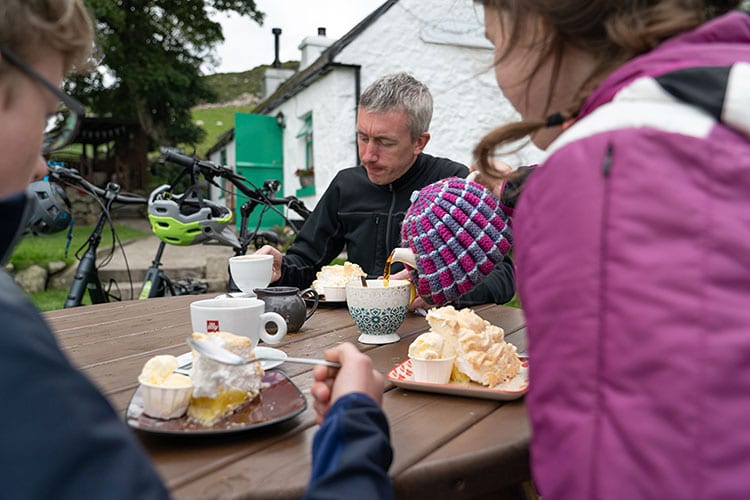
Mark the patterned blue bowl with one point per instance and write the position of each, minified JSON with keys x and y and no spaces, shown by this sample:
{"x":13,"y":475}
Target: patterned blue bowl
{"x":378,"y":311}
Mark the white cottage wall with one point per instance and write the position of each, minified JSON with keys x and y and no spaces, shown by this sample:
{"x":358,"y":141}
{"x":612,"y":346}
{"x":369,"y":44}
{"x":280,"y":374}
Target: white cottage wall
{"x":442,"y":44}
{"x":331,"y":101}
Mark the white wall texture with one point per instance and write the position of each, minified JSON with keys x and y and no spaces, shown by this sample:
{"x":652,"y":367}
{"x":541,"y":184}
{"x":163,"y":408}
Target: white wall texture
{"x":442,"y":44}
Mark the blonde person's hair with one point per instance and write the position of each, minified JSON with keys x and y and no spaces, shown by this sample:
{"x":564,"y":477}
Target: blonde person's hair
{"x":400,"y":92}
{"x":613,"y":32}
{"x":30,"y":27}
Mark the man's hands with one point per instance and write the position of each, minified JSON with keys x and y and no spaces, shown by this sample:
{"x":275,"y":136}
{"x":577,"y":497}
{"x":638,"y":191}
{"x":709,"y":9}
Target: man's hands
{"x":269,"y":250}
{"x":355,"y":375}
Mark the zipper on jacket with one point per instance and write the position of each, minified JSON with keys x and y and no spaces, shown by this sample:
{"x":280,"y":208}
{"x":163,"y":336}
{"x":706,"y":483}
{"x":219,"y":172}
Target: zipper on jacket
{"x":607,"y":162}
{"x":603,"y":250}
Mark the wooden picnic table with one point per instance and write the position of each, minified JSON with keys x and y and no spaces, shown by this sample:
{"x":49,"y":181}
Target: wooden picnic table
{"x":444,"y":446}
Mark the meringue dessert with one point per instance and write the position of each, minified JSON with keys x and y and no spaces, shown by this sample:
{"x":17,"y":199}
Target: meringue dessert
{"x":166,"y":394}
{"x":331,"y":280}
{"x":220,"y":389}
{"x":482,"y":355}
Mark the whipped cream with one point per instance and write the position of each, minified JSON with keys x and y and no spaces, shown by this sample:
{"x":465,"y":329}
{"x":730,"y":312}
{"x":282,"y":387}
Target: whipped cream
{"x":337,"y":275}
{"x":431,"y":345}
{"x":209,"y":376}
{"x":159,"y":370}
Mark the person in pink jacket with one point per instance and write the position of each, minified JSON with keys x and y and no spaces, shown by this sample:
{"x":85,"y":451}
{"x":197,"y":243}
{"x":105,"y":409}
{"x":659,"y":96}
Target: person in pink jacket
{"x":632,"y":241}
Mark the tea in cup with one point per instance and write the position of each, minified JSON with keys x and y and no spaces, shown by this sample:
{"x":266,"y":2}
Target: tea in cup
{"x":378,"y":310}
{"x":251,"y":271}
{"x":240,"y":316}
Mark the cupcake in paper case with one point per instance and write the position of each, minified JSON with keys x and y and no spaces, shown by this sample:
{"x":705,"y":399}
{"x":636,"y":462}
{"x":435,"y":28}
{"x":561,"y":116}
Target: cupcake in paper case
{"x":166,"y":394}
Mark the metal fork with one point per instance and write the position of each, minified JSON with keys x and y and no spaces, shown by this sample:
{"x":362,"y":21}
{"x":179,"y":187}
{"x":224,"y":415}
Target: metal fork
{"x":221,"y":355}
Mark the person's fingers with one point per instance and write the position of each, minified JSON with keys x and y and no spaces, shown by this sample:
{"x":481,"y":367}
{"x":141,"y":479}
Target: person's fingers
{"x":320,"y":391}
{"x":321,"y":410}
{"x":401,"y":275}
{"x":378,"y":382}
{"x":320,"y":372}
{"x":419,"y":303}
{"x":277,"y":259}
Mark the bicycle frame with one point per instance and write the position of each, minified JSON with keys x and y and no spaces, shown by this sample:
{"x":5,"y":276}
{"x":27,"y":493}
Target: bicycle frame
{"x":86,"y":276}
{"x":156,"y":283}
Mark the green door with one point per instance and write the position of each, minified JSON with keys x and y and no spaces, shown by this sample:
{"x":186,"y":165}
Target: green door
{"x":259,"y":156}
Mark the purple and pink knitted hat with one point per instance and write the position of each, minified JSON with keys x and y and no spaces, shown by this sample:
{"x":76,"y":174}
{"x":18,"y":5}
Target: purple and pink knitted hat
{"x":457,"y":231}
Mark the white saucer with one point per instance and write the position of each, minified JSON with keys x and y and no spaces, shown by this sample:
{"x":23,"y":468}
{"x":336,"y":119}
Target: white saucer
{"x":234,"y":295}
{"x":184,"y":361}
{"x":367,"y":338}
{"x":272,"y":352}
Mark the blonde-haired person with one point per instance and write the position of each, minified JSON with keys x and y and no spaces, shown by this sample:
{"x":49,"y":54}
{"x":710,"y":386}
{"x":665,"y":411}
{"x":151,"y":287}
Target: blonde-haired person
{"x":60,"y":438}
{"x":631,"y":241}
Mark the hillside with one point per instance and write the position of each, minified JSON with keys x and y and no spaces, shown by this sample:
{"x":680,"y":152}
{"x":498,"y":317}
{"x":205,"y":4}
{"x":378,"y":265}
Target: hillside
{"x":236,"y":93}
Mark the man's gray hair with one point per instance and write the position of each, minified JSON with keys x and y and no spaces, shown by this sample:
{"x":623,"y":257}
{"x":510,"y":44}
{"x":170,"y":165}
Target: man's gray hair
{"x":400,"y":92}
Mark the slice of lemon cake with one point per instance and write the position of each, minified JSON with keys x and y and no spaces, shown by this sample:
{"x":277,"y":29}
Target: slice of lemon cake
{"x":220,"y":389}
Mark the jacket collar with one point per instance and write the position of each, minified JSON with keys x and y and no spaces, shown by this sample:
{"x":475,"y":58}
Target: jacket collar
{"x":14,"y":212}
{"x":697,"y":48}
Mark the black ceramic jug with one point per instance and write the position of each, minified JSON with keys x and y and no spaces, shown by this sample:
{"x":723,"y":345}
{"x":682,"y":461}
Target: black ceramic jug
{"x":288,"y":301}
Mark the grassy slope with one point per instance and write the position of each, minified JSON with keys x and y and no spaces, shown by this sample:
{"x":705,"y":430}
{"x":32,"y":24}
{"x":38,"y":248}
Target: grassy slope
{"x":216,"y":121}
{"x":228,"y":87}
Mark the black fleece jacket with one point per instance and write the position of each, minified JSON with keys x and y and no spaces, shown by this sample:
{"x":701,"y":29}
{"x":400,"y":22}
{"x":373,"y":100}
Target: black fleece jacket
{"x":366,"y":219}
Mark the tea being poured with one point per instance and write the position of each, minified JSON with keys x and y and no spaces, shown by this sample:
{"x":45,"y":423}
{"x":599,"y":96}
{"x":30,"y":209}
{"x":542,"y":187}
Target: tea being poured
{"x":387,"y":270}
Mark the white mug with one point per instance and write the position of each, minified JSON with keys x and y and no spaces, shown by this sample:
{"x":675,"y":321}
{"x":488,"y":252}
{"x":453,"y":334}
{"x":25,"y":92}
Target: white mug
{"x":251,"y":271}
{"x":240,"y":316}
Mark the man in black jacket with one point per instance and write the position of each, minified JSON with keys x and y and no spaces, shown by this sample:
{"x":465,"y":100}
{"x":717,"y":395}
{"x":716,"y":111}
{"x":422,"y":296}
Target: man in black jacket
{"x":364,"y":206}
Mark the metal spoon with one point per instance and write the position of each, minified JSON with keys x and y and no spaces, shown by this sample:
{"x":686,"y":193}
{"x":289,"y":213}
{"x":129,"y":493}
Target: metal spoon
{"x":221,"y":355}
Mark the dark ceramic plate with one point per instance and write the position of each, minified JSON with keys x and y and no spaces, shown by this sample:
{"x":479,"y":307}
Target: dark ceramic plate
{"x":279,"y":400}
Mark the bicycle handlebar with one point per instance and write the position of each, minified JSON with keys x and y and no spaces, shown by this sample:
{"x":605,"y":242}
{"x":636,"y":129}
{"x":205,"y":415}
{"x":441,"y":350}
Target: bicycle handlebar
{"x":210,"y":170}
{"x":207,"y":168}
{"x":113,"y":190}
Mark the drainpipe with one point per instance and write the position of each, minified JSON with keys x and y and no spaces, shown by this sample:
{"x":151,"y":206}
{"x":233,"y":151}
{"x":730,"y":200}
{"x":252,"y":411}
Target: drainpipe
{"x":357,"y":92}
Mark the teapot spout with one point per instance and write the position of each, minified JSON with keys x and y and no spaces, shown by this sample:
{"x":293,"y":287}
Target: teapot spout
{"x":405,"y":256}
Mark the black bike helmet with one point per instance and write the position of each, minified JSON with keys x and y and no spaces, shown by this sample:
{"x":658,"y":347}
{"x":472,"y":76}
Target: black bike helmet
{"x":51,"y":212}
{"x":188,"y":219}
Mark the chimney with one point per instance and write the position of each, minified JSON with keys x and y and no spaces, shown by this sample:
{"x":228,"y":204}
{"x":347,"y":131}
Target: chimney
{"x":312,"y":46}
{"x":276,"y":35}
{"x":275,"y":75}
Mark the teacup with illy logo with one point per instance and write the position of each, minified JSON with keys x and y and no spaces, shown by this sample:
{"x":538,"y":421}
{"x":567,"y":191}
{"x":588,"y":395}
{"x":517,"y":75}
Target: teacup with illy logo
{"x":237,"y":315}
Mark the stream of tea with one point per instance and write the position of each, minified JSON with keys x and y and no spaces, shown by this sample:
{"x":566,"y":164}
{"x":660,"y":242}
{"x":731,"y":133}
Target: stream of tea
{"x":387,"y":270}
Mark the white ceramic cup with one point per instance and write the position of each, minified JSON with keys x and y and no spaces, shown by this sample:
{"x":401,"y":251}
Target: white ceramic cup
{"x":240,"y":316}
{"x":251,"y":271}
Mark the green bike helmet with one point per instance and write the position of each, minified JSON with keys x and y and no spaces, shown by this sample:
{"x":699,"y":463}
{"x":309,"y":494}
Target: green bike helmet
{"x":188,"y":219}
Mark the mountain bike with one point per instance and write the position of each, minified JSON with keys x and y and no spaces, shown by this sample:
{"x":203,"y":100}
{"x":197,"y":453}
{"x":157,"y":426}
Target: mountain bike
{"x":87,"y":273}
{"x":157,"y":283}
